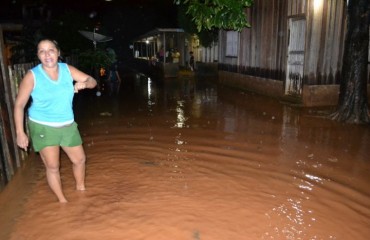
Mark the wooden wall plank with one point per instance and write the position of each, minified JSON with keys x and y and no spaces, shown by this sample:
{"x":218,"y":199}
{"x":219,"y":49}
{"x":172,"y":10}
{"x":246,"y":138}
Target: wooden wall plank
{"x":263,"y":47}
{"x":7,"y":156}
{"x":11,"y":156}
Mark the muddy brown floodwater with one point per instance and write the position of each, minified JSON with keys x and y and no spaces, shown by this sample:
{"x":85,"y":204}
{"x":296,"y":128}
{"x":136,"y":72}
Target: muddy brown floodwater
{"x":186,"y":159}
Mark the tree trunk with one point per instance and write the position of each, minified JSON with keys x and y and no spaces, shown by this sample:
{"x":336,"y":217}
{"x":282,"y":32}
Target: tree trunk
{"x":353,"y":102}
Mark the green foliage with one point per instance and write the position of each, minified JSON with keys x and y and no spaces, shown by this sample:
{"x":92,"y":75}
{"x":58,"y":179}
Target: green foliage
{"x":91,"y":59}
{"x":222,"y":14}
{"x":206,"y":37}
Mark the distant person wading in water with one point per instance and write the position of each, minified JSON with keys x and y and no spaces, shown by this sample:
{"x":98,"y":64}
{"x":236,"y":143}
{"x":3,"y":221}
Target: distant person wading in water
{"x":51,"y":118}
{"x":191,"y":61}
{"x":114,"y":80}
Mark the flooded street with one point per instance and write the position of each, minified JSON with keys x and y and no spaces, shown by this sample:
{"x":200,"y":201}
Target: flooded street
{"x":186,"y":159}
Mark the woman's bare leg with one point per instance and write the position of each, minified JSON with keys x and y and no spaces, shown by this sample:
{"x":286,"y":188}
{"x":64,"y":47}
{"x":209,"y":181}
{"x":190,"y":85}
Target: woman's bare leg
{"x":78,"y":158}
{"x":50,"y":156}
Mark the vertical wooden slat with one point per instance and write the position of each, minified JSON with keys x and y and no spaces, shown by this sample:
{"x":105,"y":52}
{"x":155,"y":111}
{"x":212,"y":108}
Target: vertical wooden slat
{"x":339,"y":36}
{"x":253,"y":47}
{"x":6,"y":166}
{"x":8,"y":131}
{"x":16,"y":74}
{"x":282,"y":37}
{"x":326,"y":47}
{"x":319,"y":42}
{"x":309,"y":76}
{"x":11,"y":157}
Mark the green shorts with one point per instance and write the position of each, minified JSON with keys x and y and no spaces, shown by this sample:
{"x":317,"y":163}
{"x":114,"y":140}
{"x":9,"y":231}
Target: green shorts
{"x":44,"y":136}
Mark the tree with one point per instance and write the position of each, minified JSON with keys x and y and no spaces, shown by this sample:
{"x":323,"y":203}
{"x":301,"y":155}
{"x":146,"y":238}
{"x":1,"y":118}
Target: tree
{"x":206,"y":37}
{"x":353,"y":101}
{"x":92,"y":60}
{"x":222,"y":14}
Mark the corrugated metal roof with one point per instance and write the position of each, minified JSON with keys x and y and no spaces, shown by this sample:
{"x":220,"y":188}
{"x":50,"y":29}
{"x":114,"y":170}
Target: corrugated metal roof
{"x":157,"y":31}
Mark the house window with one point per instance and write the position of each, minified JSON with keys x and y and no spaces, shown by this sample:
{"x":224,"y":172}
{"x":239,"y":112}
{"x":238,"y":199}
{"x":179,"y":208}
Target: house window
{"x":232,"y":43}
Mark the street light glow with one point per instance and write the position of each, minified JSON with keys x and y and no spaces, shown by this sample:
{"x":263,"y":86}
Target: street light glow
{"x":317,"y":4}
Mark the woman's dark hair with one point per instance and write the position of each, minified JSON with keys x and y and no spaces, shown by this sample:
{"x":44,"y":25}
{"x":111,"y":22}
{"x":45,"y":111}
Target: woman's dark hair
{"x":50,"y":40}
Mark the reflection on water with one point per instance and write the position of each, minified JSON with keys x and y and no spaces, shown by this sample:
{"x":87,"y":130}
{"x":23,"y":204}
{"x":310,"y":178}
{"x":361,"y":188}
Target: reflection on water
{"x":181,"y":119}
{"x":188,"y":159}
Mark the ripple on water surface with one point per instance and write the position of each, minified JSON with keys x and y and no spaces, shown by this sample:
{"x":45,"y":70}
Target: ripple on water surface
{"x":239,"y":172}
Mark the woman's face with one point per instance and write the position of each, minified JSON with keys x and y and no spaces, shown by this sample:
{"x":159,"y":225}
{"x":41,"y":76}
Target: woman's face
{"x":48,"y":53}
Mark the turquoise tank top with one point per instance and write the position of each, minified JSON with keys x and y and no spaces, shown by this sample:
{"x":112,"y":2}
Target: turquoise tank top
{"x":52,"y":100}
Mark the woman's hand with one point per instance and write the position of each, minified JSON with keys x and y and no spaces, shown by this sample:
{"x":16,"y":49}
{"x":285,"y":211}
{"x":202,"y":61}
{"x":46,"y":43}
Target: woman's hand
{"x":22,"y":141}
{"x":82,"y":79}
{"x":80,"y":86}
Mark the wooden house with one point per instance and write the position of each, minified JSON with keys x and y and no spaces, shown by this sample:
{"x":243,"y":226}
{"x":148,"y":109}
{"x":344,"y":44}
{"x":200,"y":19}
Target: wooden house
{"x":293,"y":51}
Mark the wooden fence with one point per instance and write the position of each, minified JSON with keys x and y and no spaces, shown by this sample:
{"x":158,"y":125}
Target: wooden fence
{"x":11,"y":157}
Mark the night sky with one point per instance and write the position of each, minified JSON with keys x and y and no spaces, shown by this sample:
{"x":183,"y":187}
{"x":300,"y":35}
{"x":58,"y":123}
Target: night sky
{"x":12,"y":9}
{"x":121,"y":19}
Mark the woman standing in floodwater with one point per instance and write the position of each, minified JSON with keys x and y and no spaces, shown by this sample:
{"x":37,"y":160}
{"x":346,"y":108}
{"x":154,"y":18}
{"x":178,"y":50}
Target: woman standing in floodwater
{"x":51,"y":118}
